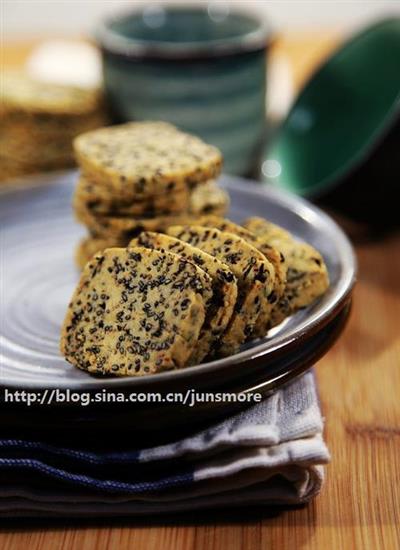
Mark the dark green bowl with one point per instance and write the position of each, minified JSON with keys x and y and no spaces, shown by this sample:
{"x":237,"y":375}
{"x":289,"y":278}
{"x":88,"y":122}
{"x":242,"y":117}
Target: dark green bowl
{"x":341,"y":139}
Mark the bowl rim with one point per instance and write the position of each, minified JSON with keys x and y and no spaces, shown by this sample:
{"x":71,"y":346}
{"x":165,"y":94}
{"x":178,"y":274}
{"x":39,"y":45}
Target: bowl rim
{"x":317,"y":319}
{"x":112,"y":42}
{"x":334,"y":178}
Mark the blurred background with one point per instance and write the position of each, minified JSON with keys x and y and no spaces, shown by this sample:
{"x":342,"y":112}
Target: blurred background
{"x":57,"y":42}
{"x":304,"y":31}
{"x":35,"y":17}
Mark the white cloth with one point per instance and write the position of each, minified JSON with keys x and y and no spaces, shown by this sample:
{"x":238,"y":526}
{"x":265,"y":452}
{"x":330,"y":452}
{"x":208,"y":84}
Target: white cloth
{"x":272,"y":453}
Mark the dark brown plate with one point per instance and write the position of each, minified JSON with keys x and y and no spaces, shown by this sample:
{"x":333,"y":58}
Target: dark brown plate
{"x":38,"y":238}
{"x":39,"y":235}
{"x":156,"y":422}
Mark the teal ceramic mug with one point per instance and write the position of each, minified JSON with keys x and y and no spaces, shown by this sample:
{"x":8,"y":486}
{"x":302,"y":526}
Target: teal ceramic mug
{"x":202,"y":68}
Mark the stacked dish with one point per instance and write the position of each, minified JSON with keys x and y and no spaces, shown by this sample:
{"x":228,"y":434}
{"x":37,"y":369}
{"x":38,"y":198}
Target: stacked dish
{"x":39,"y":236}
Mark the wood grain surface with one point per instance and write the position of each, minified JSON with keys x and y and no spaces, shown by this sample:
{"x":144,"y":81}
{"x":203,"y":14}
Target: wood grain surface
{"x":359,"y":383}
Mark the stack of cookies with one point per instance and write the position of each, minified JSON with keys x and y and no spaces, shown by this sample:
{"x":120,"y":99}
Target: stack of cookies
{"x":142,"y":176}
{"x":167,"y":281}
{"x":39,"y":122}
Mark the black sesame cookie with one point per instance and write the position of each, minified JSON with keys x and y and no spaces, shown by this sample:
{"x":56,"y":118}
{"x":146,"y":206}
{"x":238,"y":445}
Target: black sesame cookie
{"x":255,"y":275}
{"x":46,"y":127}
{"x":143,"y":159}
{"x":125,"y":226}
{"x":264,"y":229}
{"x":39,"y":121}
{"x":24,"y":96}
{"x":92,"y":244}
{"x":122,"y":226}
{"x":12,"y":167}
{"x":27,"y":152}
{"x":276,"y":258}
{"x":135,"y":311}
{"x":208,"y":198}
{"x":307,"y":279}
{"x":99,"y":201}
{"x":224,"y":285}
{"x":307,"y":276}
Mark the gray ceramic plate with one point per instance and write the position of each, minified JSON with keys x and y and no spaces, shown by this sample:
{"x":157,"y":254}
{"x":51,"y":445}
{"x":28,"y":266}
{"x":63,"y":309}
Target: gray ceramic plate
{"x":38,"y":277}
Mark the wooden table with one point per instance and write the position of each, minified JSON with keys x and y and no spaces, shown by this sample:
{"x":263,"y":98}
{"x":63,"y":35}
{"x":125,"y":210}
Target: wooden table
{"x":359,"y":382}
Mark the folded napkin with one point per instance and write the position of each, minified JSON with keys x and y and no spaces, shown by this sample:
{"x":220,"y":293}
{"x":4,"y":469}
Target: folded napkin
{"x":271,"y":453}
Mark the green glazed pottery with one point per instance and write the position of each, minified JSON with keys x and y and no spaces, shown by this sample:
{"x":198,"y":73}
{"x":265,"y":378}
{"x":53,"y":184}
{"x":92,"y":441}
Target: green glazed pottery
{"x":341,"y":140}
{"x":203,"y":69}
